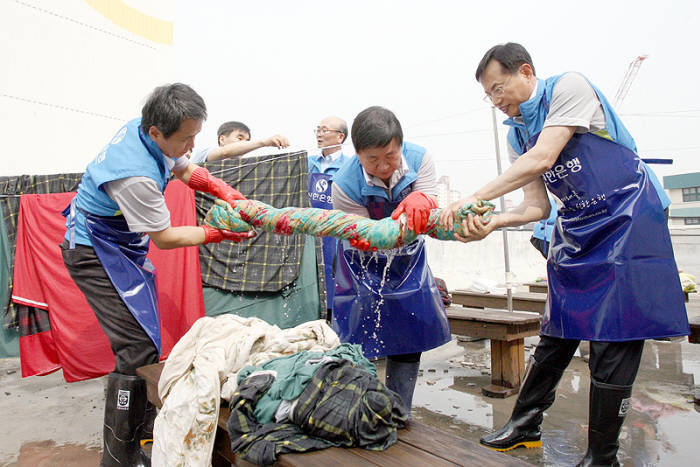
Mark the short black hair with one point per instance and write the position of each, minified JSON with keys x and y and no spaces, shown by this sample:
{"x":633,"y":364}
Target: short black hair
{"x":169,"y":105}
{"x":511,"y":56}
{"x":375,"y":127}
{"x":226,"y":128}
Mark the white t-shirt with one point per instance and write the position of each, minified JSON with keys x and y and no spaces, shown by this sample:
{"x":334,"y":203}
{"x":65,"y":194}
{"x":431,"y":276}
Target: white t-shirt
{"x":426,"y":183}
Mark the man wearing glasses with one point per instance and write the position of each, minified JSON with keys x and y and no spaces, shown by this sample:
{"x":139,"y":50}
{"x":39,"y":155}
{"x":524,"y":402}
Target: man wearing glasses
{"x":612,"y":276}
{"x":330,"y":136}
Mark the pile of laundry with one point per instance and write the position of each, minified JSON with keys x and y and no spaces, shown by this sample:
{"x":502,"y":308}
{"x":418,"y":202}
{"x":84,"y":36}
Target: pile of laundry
{"x":290,"y":390}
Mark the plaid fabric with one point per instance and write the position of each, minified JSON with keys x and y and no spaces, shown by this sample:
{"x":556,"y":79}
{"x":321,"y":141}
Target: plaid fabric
{"x":269,"y":262}
{"x":347,"y":405}
{"x":343,"y":405}
{"x":32,"y":320}
{"x":10,"y":190}
{"x":261,"y":444}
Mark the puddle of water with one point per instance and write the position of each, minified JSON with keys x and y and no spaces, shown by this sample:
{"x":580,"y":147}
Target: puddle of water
{"x":49,"y":454}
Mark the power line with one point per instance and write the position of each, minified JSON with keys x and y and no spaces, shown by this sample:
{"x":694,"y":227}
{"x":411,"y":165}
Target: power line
{"x":80,"y":23}
{"x":63,"y":107}
{"x":447,"y":117}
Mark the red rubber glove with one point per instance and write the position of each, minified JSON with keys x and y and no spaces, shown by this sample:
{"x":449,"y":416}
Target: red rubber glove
{"x":202,"y":180}
{"x":212,"y":235}
{"x":417,"y":207}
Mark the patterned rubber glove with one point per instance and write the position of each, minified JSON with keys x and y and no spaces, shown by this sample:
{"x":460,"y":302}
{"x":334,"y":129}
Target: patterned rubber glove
{"x":417,"y":207}
{"x":212,"y":235}
{"x":202,"y":180}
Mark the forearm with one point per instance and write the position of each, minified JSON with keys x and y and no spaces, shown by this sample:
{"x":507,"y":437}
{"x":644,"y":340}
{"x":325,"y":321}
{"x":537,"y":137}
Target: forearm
{"x":235,"y":149}
{"x":523,"y":171}
{"x":522,"y":214}
{"x":530,"y":165}
{"x":176,"y":237}
{"x":184,"y":176}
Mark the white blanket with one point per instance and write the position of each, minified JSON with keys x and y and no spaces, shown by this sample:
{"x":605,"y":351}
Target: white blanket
{"x":203,"y":367}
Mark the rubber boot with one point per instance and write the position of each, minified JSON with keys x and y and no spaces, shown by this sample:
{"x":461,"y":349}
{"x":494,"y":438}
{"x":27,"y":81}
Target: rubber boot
{"x":607,"y":408}
{"x":401,"y":378}
{"x":146,"y":434}
{"x":125,"y":407}
{"x":537,"y":394}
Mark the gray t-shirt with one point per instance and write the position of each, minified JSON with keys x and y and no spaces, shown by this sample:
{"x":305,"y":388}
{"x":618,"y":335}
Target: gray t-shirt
{"x":574,"y":103}
{"x":426,"y":183}
{"x":141,"y":202}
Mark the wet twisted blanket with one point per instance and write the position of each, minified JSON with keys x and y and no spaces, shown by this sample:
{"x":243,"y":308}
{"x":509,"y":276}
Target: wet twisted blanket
{"x":381,"y":234}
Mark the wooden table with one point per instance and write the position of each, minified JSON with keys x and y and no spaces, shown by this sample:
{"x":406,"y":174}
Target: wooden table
{"x":507,"y":331}
{"x":537,"y":287}
{"x":418,"y":445}
{"x":522,"y":301}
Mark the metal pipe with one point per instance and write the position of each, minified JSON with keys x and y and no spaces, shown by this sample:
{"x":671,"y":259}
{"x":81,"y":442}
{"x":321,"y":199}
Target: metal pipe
{"x":506,"y":254}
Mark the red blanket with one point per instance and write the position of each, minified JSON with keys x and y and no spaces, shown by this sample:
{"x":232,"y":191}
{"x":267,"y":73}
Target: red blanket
{"x":75,"y":340}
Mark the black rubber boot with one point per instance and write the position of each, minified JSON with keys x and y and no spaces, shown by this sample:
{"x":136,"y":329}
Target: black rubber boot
{"x":146,"y":434}
{"x":125,"y":407}
{"x":607,"y":408}
{"x":401,"y":378}
{"x":537,"y":394}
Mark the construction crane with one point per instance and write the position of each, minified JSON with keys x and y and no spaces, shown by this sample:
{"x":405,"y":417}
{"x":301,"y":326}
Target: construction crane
{"x":622,"y":91}
{"x":631,"y":74}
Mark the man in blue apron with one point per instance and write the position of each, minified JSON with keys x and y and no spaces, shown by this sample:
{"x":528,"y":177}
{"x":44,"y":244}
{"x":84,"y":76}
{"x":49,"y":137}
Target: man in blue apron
{"x":612,"y":276}
{"x":387,"y":301}
{"x":118,"y":207}
{"x":330,"y":136}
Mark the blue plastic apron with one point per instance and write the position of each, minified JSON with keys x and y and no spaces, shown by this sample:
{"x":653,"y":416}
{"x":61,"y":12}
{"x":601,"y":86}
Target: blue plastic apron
{"x":612,"y":274}
{"x":320,"y":197}
{"x":388,"y":301}
{"x":123,"y":256}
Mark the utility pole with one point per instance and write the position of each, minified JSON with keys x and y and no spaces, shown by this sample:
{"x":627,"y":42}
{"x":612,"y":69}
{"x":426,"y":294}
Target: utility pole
{"x":506,"y":253}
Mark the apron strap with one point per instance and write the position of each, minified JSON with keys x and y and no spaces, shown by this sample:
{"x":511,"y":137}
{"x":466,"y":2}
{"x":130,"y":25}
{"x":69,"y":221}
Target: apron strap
{"x":71,"y":225}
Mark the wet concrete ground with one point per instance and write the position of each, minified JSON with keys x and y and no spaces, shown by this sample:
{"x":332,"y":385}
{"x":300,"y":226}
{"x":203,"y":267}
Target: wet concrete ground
{"x":46,"y":422}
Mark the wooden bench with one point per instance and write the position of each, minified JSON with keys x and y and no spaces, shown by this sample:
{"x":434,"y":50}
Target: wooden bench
{"x":418,"y":445}
{"x":541,"y":287}
{"x":507,"y":331}
{"x":694,"y":337}
{"x":522,"y":301}
{"x":537,"y":287}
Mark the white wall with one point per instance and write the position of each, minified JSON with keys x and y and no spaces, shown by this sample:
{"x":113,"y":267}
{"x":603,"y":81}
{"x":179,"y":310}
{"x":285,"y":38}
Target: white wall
{"x":70,"y":78}
{"x":459,"y":263}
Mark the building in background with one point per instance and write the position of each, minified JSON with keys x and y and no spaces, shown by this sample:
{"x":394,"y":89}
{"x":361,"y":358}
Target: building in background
{"x":446,"y":195}
{"x":73,"y":73}
{"x":684,"y":191}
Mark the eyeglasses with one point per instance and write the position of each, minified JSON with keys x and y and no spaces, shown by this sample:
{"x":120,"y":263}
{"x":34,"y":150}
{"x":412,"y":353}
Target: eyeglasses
{"x":498,"y":92}
{"x":322,"y":130}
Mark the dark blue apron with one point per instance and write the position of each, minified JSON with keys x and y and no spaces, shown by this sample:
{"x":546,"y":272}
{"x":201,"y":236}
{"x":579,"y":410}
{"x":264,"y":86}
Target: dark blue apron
{"x":123,"y":256}
{"x":388,"y":301}
{"x":612,"y":274}
{"x":320,"y":197}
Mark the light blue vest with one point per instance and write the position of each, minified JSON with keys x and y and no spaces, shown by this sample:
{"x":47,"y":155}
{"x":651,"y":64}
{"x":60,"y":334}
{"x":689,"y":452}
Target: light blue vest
{"x":130,"y":153}
{"x":333,"y":167}
{"x":351,"y":179}
{"x":543,"y":229}
{"x":535,"y":114}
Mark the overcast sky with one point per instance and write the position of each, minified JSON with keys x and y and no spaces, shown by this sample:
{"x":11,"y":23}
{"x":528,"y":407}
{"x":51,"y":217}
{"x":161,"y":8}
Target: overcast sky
{"x":281,"y":66}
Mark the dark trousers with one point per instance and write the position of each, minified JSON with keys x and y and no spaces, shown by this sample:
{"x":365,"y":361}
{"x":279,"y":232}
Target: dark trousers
{"x":610,"y":362}
{"x":130,"y":344}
